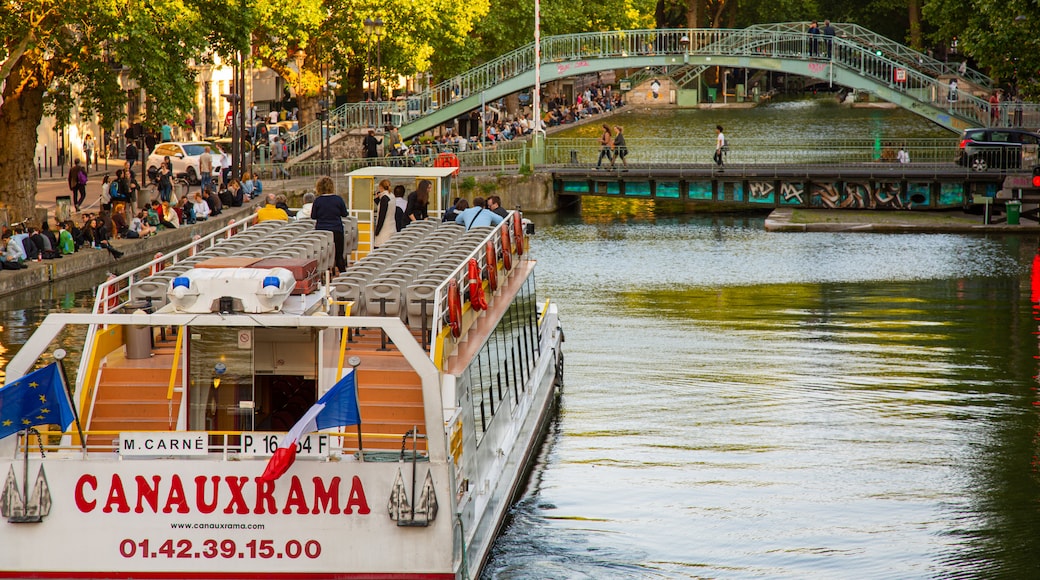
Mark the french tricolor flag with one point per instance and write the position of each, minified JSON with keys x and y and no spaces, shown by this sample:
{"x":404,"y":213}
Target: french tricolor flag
{"x":336,"y":408}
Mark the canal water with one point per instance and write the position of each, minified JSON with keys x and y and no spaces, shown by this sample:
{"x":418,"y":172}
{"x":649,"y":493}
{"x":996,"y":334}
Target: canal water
{"x":748,"y":404}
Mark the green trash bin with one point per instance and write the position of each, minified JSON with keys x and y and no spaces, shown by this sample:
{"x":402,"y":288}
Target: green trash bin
{"x":1014,"y":212}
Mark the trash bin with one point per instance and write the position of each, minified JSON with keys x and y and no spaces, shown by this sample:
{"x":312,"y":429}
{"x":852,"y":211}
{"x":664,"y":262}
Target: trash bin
{"x":138,"y":337}
{"x":1014,"y":212}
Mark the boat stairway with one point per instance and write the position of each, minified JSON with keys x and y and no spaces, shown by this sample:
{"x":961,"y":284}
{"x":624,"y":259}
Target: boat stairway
{"x":133,"y":398}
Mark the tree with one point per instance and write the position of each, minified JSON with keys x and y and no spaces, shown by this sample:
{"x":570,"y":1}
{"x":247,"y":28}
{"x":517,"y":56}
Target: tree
{"x":61,"y":56}
{"x":1000,"y":36}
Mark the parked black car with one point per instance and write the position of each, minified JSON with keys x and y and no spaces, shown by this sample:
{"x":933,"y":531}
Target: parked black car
{"x":995,"y":148}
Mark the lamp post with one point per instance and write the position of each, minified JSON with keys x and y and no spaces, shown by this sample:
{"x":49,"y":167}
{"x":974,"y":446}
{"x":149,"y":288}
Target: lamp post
{"x":376,"y":28}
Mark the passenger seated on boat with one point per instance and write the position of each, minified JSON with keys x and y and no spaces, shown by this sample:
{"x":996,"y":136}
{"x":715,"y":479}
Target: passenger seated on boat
{"x":270,"y":212}
{"x":478,"y":216}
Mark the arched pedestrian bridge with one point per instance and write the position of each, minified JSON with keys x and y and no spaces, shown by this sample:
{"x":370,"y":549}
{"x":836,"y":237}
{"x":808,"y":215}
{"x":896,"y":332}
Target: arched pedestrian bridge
{"x":858,"y":59}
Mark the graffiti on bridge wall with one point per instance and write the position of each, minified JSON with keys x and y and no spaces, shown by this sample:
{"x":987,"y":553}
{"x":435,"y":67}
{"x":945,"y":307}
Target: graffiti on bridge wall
{"x":867,"y":195}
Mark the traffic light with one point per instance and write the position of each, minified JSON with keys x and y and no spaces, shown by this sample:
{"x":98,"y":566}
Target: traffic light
{"x":877,"y":52}
{"x":1036,"y":176}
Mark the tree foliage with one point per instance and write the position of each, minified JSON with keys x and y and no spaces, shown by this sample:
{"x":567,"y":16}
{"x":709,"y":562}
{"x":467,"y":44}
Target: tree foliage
{"x":58,"y":56}
{"x":1000,"y":36}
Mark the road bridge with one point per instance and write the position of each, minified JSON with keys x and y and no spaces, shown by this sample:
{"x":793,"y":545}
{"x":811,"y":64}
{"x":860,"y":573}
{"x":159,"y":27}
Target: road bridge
{"x":857,"y":59}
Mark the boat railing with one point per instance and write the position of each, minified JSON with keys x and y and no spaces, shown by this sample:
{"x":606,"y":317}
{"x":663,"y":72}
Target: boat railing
{"x":443,"y":343}
{"x":228,"y":444}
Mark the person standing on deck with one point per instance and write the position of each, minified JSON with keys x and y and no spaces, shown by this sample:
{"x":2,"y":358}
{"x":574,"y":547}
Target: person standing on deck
{"x":328,"y":211}
{"x":384,"y":221}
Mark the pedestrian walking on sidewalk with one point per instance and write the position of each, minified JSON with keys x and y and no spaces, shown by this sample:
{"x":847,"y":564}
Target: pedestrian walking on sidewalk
{"x":720,"y":145}
{"x":78,"y":184}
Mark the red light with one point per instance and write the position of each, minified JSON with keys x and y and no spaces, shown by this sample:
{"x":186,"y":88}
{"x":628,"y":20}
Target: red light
{"x":1036,"y":181}
{"x":963,"y":143}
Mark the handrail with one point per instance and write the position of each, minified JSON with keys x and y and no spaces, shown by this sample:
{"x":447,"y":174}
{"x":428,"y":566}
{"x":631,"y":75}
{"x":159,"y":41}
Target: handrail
{"x":176,"y":360}
{"x":854,"y":40}
{"x":440,"y":296}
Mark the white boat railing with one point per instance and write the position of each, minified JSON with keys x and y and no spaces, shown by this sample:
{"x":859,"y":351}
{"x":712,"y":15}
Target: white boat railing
{"x":460,"y":274}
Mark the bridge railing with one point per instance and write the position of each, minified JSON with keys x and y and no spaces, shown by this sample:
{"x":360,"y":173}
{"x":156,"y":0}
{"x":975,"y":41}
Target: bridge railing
{"x":582,"y":152}
{"x":892,"y":49}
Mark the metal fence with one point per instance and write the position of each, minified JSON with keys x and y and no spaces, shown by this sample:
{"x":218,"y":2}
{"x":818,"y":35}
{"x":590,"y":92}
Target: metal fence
{"x":648,"y":152}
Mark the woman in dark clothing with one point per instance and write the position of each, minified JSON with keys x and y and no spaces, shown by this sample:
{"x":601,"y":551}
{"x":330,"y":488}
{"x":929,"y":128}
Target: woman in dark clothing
{"x":328,"y":211}
{"x":99,"y":236}
{"x":419,"y":202}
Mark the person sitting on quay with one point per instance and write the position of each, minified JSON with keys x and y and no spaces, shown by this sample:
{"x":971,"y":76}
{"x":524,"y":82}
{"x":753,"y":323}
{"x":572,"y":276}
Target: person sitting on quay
{"x":213,"y":201}
{"x":269,"y":212}
{"x":200,"y":207}
{"x":12,"y":251}
{"x":478,"y":216}
{"x":98,"y":235}
{"x":66,"y":243}
{"x":185,"y":211}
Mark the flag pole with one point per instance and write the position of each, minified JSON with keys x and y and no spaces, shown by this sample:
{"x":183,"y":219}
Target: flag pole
{"x":354,"y":363}
{"x":59,"y":355}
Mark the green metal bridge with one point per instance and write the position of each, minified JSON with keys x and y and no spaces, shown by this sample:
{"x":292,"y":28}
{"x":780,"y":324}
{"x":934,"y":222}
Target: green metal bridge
{"x":858,"y":59}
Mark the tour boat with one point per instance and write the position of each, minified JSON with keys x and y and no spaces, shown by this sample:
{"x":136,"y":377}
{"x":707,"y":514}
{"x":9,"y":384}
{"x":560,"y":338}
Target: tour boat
{"x":238,"y":412}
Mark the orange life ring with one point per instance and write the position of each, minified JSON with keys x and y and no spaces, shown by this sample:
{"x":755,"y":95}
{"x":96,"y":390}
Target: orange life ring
{"x":454,"y":308}
{"x":492,"y":265}
{"x":111,"y":299}
{"x":476,"y":286}
{"x":158,"y":266}
{"x":507,"y":250}
{"x":518,"y":233}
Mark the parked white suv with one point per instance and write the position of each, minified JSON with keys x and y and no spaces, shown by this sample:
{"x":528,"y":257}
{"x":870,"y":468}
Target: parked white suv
{"x":184,"y":157}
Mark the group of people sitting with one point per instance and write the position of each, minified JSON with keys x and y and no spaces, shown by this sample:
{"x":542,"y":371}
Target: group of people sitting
{"x":23,"y":244}
{"x":593,"y":101}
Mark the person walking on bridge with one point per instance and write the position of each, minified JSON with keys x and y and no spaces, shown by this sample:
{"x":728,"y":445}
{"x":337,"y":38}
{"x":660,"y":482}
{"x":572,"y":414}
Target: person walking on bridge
{"x":620,"y":147}
{"x":720,"y":145}
{"x":606,"y":147}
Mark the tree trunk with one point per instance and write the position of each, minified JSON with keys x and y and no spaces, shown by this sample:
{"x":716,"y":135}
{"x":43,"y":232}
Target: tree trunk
{"x":20,"y":114}
{"x":693,"y":13}
{"x":308,"y":105}
{"x":914,"y":9}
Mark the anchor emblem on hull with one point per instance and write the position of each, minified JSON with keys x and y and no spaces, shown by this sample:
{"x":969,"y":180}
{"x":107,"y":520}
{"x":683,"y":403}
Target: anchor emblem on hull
{"x":412,"y":514}
{"x":19,"y":509}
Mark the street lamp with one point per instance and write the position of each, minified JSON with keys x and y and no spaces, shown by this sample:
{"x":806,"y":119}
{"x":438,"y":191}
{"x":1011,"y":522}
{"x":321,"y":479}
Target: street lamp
{"x":375,"y":28}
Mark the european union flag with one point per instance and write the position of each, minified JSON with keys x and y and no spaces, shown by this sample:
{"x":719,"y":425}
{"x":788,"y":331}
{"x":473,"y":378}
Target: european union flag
{"x":38,"y":398}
